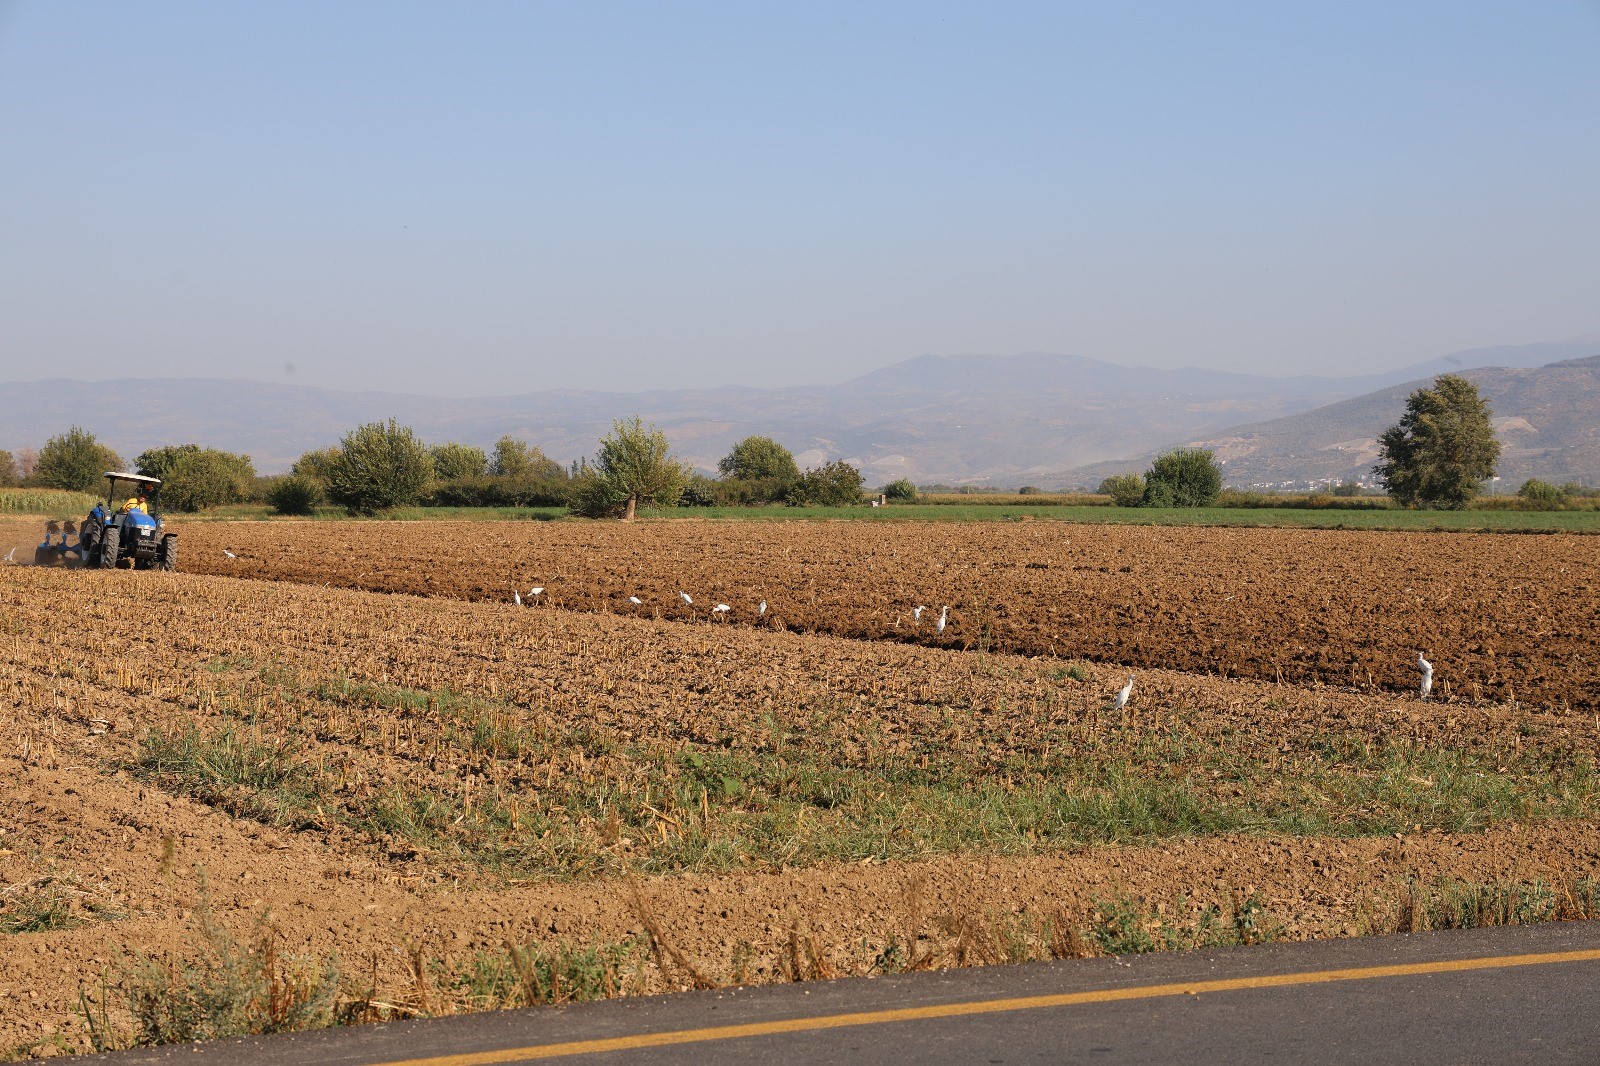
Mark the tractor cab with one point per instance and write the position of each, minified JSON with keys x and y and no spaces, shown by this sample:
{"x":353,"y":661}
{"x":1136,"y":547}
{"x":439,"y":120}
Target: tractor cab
{"x":128,"y":527}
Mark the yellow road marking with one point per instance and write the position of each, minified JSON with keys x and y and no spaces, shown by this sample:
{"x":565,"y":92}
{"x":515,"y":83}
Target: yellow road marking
{"x":992,"y":1006}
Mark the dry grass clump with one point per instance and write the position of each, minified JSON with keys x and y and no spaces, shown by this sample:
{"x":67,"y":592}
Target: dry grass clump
{"x":54,"y":901}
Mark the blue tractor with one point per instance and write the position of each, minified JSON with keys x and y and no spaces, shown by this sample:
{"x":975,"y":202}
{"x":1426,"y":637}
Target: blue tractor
{"x":130,"y":531}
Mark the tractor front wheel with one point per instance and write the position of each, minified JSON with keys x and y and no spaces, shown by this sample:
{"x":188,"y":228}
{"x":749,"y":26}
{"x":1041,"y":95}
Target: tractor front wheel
{"x":110,"y":541}
{"x":167,"y":555}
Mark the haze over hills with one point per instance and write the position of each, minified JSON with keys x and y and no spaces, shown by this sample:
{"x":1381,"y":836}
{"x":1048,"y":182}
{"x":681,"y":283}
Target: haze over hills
{"x":1547,"y":419}
{"x":1047,"y":420}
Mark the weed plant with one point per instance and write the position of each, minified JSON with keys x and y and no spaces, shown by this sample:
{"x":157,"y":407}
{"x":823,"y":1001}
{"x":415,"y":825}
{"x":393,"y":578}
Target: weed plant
{"x":49,"y":903}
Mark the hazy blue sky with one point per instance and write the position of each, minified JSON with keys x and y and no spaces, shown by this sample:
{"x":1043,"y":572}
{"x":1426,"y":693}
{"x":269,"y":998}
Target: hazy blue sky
{"x":501,"y":197}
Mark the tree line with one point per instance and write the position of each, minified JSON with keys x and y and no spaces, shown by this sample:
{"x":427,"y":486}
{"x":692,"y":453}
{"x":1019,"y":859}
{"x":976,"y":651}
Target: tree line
{"x":1438,"y":455}
{"x":383,"y":465}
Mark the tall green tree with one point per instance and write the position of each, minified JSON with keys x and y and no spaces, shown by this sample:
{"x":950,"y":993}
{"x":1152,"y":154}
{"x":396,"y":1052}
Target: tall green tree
{"x":453,"y":461}
{"x":73,"y":460}
{"x":634,"y":465}
{"x":758,"y":458}
{"x":1442,"y":449}
{"x":758,"y":470}
{"x":1183,"y":477}
{"x":9,"y":476}
{"x":194,"y":478}
{"x":379,"y":466}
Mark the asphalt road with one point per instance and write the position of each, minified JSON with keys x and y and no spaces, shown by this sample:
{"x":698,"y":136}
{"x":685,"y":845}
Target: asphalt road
{"x":1509,"y":995}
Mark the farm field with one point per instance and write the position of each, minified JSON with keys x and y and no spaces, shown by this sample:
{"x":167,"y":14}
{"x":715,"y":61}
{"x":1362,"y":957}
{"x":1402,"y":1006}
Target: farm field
{"x":1010,"y":509}
{"x":402,"y":771}
{"x":1501,"y":617}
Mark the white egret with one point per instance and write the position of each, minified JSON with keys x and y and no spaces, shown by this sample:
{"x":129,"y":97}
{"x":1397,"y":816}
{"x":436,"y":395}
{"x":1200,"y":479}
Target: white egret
{"x":537,"y":590}
{"x":916,"y":613}
{"x":686,"y":598}
{"x":721,"y":608}
{"x":228,"y":553}
{"x":1427,"y":675}
{"x":759,"y":610}
{"x":944,"y":619}
{"x":11,"y":557}
{"x":516,"y":597}
{"x":1123,"y":693}
{"x":635,"y":600}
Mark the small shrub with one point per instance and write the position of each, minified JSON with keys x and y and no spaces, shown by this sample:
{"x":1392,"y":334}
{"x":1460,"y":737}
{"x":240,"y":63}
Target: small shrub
{"x":902,"y":490}
{"x":232,"y":989}
{"x":838,"y":484}
{"x":1183,"y":477}
{"x":734,"y":492}
{"x":701,"y":491}
{"x":50,"y":903}
{"x":1125,"y":490}
{"x":296,"y":494}
{"x":1542,"y":494}
{"x":533,"y":974}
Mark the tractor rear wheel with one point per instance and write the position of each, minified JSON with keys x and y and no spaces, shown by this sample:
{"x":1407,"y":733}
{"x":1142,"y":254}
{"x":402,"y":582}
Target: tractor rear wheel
{"x":110,"y":540}
{"x":167,"y":554}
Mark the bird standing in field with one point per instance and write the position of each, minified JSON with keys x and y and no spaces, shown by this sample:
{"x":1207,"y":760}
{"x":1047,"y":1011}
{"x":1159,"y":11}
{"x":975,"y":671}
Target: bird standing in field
{"x":916,"y":614}
{"x":687,"y":598}
{"x":721,"y":608}
{"x":636,"y":601}
{"x":1427,"y":675}
{"x":944,"y":620}
{"x":516,"y":597}
{"x":537,"y":590}
{"x":229,"y":554}
{"x":11,"y":556}
{"x":762,"y":610}
{"x":1123,"y":695}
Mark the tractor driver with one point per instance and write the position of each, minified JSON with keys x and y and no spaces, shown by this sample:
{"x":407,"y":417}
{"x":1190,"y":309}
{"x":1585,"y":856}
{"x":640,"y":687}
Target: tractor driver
{"x":136,"y":503}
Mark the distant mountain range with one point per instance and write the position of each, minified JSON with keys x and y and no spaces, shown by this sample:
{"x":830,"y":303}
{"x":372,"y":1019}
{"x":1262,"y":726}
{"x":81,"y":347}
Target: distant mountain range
{"x":1053,"y":421}
{"x":1547,"y":419}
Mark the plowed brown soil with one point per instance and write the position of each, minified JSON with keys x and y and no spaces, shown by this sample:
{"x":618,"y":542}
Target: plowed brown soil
{"x":1502,"y":617}
{"x":100,"y":661}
